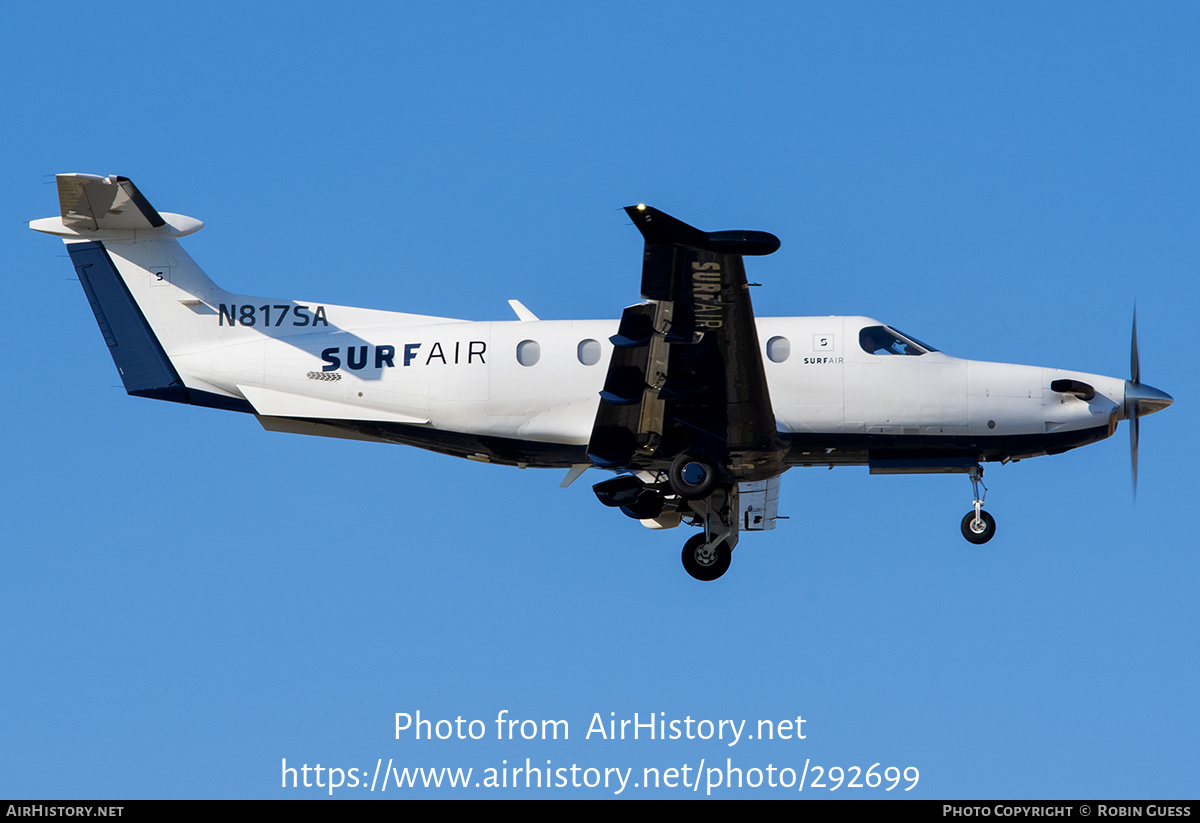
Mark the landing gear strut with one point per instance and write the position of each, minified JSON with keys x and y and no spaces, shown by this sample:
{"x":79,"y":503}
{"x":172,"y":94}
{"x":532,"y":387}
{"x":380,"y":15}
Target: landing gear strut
{"x":692,"y":493}
{"x":706,"y":556}
{"x":978,"y":526}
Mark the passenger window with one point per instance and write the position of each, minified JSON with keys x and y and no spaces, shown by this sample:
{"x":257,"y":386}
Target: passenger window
{"x":588,"y":352}
{"x":778,"y":349}
{"x":528,"y":352}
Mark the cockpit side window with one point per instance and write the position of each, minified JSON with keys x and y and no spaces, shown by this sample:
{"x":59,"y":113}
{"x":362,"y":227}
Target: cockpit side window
{"x":883,"y":340}
{"x":920,"y":343}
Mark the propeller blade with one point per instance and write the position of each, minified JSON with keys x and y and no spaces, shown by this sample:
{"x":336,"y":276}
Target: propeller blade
{"x":1135,"y":366}
{"x":1131,"y":409}
{"x":1140,"y":400}
{"x":1133,"y":450}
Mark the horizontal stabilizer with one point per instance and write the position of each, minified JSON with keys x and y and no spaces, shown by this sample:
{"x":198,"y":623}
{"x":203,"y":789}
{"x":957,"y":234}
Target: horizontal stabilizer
{"x":275,"y":403}
{"x":96,"y":207}
{"x":92,"y":203}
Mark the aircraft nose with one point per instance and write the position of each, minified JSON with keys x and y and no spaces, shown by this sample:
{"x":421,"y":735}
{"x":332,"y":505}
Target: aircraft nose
{"x":1146,"y":399}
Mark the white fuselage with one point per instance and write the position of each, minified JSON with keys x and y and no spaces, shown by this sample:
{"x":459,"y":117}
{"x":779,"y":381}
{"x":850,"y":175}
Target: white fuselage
{"x":297,"y":361}
{"x":696,"y":404}
{"x":466,"y":377}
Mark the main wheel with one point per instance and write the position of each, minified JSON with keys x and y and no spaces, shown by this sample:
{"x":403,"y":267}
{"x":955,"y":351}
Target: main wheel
{"x":981,"y":533}
{"x":705,"y":563}
{"x":692,"y":477}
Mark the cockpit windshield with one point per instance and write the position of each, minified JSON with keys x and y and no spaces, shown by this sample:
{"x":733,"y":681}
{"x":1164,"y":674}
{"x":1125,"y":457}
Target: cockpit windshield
{"x":886,"y":340}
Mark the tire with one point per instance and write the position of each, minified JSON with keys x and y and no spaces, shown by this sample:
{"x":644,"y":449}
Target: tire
{"x":989,"y":527}
{"x":692,"y":477}
{"x":705,"y":566}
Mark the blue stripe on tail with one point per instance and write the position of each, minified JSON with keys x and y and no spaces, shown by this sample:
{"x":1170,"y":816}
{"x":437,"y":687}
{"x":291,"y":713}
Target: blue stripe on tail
{"x":145,"y":368}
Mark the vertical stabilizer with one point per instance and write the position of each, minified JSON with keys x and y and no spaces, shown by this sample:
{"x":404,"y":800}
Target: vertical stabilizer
{"x":151,"y":301}
{"x":145,"y":368}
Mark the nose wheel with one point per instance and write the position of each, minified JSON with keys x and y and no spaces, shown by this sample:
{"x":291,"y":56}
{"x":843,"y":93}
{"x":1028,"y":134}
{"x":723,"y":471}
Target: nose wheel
{"x":977,"y":525}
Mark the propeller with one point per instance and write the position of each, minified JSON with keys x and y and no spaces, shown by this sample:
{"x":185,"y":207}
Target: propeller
{"x":1140,"y":400}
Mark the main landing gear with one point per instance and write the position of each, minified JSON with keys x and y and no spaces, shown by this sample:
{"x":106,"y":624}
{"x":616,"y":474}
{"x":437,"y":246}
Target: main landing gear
{"x":691,"y":492}
{"x":706,"y":556}
{"x":978,"y":526}
{"x":706,"y":560}
{"x":696,"y":481}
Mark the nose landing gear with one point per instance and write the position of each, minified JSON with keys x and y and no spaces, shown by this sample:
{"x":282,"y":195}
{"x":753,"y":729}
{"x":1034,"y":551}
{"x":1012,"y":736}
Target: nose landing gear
{"x":978,"y":526}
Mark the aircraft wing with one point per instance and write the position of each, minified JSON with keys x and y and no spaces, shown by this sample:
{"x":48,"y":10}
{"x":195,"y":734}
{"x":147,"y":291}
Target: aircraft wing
{"x":686,"y":373}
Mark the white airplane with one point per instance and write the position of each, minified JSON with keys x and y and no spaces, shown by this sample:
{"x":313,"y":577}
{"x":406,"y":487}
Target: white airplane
{"x":697,"y":405}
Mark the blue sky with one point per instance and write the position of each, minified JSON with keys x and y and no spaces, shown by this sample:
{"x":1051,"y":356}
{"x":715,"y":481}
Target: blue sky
{"x":187,"y":600}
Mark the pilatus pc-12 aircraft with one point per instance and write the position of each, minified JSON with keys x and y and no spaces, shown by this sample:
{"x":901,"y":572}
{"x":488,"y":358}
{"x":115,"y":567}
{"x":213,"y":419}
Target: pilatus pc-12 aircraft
{"x":696,"y":405}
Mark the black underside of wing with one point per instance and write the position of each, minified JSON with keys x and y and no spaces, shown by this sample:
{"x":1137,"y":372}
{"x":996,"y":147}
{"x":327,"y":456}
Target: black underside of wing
{"x":687,"y":374}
